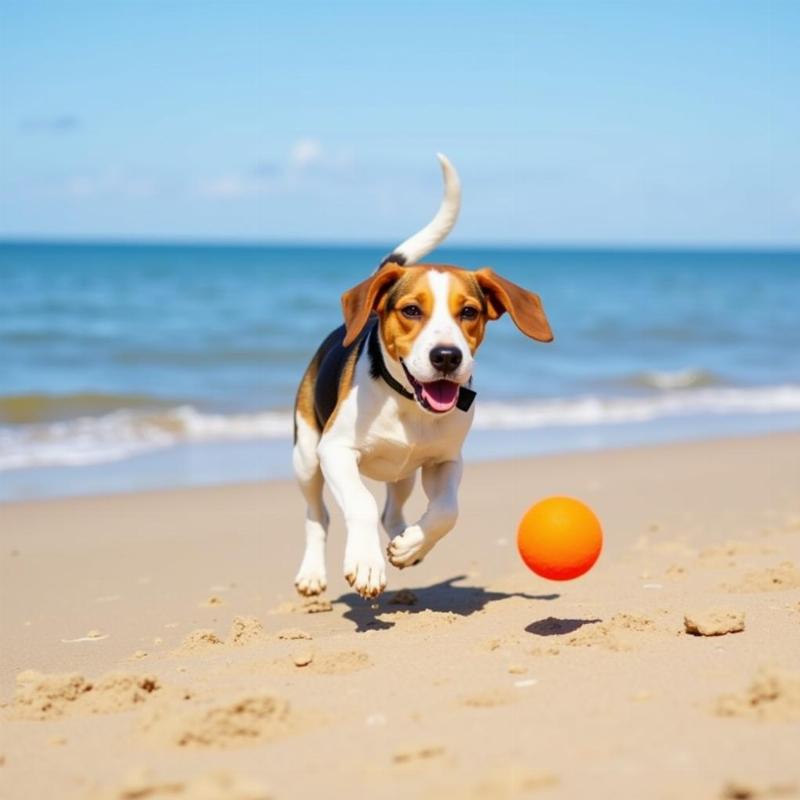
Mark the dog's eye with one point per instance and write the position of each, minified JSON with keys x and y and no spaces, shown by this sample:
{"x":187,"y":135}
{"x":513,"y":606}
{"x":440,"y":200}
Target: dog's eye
{"x":469,"y":312}
{"x":412,"y":312}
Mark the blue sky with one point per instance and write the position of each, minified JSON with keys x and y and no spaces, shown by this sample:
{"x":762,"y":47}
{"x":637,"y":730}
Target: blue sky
{"x":570,"y":122}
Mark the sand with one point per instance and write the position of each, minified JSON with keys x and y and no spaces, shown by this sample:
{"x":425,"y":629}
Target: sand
{"x":152,"y":645}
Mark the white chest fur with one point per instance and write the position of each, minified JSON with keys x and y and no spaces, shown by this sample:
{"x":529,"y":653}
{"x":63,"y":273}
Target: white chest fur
{"x":393,"y":436}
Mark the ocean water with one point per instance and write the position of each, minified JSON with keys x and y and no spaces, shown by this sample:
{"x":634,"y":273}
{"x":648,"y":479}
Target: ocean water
{"x":128,"y":366}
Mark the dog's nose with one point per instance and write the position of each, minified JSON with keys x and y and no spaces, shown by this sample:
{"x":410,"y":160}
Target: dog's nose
{"x":446,"y":359}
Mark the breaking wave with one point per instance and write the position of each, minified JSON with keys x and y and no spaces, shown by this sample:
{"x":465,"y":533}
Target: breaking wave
{"x":125,"y":433}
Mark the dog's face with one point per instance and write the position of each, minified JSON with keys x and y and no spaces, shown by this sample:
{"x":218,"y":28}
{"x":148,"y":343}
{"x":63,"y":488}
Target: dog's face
{"x":432,"y":319}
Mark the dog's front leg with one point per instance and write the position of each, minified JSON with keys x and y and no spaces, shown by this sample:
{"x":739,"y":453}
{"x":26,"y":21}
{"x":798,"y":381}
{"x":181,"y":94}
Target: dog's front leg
{"x":364,"y":567}
{"x":440,"y":482}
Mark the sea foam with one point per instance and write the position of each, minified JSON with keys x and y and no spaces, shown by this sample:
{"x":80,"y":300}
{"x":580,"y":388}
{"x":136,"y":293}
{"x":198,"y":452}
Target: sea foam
{"x":126,"y":433}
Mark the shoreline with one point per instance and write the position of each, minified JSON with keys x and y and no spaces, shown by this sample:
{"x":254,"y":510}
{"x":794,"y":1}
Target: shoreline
{"x":207,"y":464}
{"x":492,"y":677}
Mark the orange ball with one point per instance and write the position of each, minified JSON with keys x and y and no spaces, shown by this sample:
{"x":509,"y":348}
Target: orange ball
{"x":560,"y":538}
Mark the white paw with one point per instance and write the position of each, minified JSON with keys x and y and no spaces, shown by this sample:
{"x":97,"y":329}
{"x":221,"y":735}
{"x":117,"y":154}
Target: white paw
{"x":311,"y":580}
{"x":409,"y":548}
{"x":365,"y":571}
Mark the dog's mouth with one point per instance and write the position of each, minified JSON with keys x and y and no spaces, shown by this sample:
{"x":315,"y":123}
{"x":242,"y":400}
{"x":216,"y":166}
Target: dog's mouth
{"x":436,"y":396}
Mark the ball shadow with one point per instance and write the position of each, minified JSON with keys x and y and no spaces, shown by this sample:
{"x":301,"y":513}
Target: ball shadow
{"x":553,"y":626}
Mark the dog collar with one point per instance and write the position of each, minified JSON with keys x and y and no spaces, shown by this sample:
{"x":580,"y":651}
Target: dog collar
{"x":466,"y":396}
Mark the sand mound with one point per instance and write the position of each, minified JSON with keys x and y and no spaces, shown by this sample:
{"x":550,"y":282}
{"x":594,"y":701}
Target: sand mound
{"x":294,"y":633}
{"x":215,"y":786}
{"x":303,"y":658}
{"x":773,"y":579}
{"x":773,"y":695}
{"x":42,"y":697}
{"x":245,"y":631}
{"x":714,"y":622}
{"x":242,"y":722}
{"x":199,"y":641}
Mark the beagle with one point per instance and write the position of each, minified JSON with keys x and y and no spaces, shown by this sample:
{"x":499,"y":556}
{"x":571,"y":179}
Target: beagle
{"x":390,"y":393}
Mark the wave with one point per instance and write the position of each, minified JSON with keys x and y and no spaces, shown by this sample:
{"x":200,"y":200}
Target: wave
{"x":125,"y":433}
{"x":689,"y":378}
{"x":19,"y":409}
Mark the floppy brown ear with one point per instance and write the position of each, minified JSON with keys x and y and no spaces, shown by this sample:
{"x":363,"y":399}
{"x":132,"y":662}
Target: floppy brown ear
{"x":524,"y":307}
{"x":360,"y":301}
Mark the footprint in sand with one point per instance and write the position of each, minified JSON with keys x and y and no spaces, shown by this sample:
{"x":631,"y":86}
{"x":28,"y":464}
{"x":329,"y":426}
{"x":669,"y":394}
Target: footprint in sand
{"x":43,"y":697}
{"x":773,"y":579}
{"x":338,"y":663}
{"x":218,"y":785}
{"x":244,"y":631}
{"x":241,"y":722}
{"x":773,"y":695}
{"x":617,"y":633}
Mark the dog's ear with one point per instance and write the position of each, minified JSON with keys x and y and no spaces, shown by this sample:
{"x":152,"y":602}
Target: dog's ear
{"x":524,"y":307}
{"x":360,"y":301}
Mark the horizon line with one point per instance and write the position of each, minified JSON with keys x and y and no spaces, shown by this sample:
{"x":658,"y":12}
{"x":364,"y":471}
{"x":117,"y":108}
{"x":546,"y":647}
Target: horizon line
{"x":318,"y":244}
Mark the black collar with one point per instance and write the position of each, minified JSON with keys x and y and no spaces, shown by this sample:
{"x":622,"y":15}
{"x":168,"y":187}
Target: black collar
{"x":378,"y":369}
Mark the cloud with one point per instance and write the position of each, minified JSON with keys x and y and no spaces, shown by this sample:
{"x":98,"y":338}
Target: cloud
{"x":306,"y":160}
{"x":58,"y":124}
{"x":305,"y":153}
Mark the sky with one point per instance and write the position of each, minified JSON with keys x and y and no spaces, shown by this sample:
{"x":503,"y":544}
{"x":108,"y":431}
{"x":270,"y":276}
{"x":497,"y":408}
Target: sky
{"x":572,"y":122}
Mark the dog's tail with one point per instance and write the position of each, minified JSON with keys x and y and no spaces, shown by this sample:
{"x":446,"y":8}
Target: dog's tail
{"x":435,"y":232}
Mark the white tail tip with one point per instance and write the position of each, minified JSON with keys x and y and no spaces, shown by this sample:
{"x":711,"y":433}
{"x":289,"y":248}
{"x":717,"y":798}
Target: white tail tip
{"x":435,"y":232}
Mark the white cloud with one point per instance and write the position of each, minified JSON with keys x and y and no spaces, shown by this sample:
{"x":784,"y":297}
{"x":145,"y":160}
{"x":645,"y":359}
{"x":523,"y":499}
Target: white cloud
{"x":305,"y":153}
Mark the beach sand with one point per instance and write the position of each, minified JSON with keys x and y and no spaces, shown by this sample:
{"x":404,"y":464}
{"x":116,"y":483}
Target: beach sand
{"x":153,"y":646}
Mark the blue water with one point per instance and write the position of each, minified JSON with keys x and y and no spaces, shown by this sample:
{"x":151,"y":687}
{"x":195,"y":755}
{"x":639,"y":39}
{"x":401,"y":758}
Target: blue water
{"x":109,"y":352}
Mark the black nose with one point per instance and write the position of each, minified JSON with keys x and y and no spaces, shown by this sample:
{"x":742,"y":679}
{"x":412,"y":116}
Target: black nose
{"x":446,"y":359}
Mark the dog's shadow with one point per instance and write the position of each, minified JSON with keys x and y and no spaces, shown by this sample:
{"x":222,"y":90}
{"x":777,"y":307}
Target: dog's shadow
{"x":441,"y":597}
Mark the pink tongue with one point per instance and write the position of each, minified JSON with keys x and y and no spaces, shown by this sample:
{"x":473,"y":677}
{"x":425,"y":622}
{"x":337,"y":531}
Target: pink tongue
{"x":441,"y":395}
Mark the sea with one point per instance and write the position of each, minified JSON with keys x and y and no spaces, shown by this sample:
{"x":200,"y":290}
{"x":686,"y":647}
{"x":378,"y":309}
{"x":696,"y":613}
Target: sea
{"x":130,"y":366}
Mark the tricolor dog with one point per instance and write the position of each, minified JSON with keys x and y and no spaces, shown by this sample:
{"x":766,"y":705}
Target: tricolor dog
{"x":389,"y":393}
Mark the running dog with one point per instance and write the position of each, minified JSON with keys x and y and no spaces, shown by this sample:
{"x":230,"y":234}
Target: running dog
{"x":390,"y":393}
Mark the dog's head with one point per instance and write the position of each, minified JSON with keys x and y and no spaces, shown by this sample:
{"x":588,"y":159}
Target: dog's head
{"x":432,"y":319}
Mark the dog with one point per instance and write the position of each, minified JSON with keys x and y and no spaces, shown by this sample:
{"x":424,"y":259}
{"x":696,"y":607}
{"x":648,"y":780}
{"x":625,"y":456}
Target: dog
{"x":389,"y":393}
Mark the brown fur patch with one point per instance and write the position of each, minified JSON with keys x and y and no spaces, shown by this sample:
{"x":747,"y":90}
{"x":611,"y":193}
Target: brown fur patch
{"x":398,"y":331}
{"x":304,"y":401}
{"x":465,"y":293}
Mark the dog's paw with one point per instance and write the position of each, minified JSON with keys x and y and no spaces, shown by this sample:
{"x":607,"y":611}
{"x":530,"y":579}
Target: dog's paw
{"x":365,"y":572}
{"x":409,"y":548}
{"x":310,"y":580}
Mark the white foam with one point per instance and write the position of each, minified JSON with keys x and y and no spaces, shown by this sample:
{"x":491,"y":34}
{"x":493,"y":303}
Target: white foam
{"x":122,"y":434}
{"x":617,"y":410}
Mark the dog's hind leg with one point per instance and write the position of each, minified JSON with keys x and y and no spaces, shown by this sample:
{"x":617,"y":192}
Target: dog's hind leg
{"x":311,"y":577}
{"x":397,"y":493}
